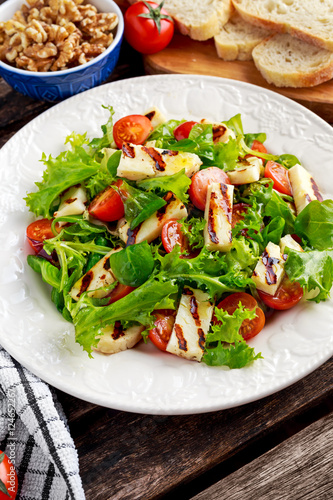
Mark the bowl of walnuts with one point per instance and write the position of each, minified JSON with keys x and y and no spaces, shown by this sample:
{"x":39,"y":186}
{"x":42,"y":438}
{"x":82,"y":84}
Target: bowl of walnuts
{"x":53,"y":49}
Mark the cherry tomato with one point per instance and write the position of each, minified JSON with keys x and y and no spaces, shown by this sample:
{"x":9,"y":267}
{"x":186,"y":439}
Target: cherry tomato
{"x":200,"y":182}
{"x":172,"y":235}
{"x":249,"y":327}
{"x":142,"y":32}
{"x":132,"y":128}
{"x":108,"y":205}
{"x":8,"y":478}
{"x":39,"y":231}
{"x":287,"y":295}
{"x":183,"y":130}
{"x":160,"y":334}
{"x":119,"y":292}
{"x":279,"y":175}
{"x":257,"y":146}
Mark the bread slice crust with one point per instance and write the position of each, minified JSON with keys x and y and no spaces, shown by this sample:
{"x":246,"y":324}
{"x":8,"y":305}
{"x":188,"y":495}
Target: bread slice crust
{"x":308,"y":20}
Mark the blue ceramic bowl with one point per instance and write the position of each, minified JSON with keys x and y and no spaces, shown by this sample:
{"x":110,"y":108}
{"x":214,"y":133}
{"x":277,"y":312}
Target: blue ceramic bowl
{"x":55,"y":86}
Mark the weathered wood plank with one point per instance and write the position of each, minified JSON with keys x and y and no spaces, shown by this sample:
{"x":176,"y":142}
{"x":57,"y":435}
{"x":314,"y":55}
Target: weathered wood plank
{"x":300,"y":468}
{"x":145,"y":456}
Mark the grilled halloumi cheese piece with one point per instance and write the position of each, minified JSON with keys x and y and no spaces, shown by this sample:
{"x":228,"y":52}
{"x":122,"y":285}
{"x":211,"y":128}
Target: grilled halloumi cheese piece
{"x":191,"y":325}
{"x":141,"y":162}
{"x":288,"y":241}
{"x":303,"y":186}
{"x":155,"y":116}
{"x":72,"y":202}
{"x":269,"y":270}
{"x":218,"y":214}
{"x":115,"y":338}
{"x":247,"y":170}
{"x":98,"y":276}
{"x":151,"y":228}
{"x":221,"y":133}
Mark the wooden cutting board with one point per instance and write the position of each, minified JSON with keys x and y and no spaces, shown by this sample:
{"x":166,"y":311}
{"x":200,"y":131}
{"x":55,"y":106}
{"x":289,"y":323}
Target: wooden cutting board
{"x":187,"y":56}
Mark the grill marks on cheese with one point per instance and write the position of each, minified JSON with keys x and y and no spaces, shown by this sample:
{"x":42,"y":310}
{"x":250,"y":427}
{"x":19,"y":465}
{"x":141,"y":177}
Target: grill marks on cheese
{"x":218,"y":214}
{"x":269,"y":270}
{"x":304,"y":187}
{"x":141,"y":162}
{"x":191,"y":325}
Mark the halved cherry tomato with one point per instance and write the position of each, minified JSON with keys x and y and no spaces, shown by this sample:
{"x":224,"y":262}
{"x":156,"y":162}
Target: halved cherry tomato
{"x":39,"y":231}
{"x":108,"y":205}
{"x":183,"y":130}
{"x":257,"y":146}
{"x":160,"y":334}
{"x":250,"y":327}
{"x":200,"y":182}
{"x":119,"y":292}
{"x":279,"y":175}
{"x":172,"y":235}
{"x":287,"y":295}
{"x":8,"y":478}
{"x":132,"y":128}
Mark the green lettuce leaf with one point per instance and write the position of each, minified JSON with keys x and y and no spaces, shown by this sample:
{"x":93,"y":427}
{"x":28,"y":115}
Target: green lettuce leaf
{"x":177,"y":183}
{"x":315,"y":224}
{"x":139,"y":205}
{"x":133,"y":265}
{"x":233,"y":356}
{"x":312,"y":269}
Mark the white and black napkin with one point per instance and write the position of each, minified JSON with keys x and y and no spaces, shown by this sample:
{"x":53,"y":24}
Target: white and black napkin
{"x":35,"y":436}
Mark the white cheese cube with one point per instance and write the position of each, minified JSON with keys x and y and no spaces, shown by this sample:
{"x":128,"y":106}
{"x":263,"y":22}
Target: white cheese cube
{"x":248,"y":170}
{"x":98,"y":276}
{"x":191,"y":325}
{"x":115,"y":338}
{"x":141,"y":162}
{"x":304,"y":187}
{"x":155,"y":116}
{"x":151,"y":228}
{"x":288,"y":241}
{"x":221,"y":133}
{"x":72,"y":202}
{"x":218,"y":214}
{"x":269,"y":270}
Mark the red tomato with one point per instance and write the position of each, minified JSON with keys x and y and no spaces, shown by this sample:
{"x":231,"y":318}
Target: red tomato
{"x":279,"y":175}
{"x":119,"y":292}
{"x":172,"y":235}
{"x":160,"y":334}
{"x":249,"y":328}
{"x":142,"y":32}
{"x":183,"y":130}
{"x":200,"y":182}
{"x":39,"y":231}
{"x":8,"y":478}
{"x":108,"y":205}
{"x":258,"y":146}
{"x":287,"y":295}
{"x":132,"y":128}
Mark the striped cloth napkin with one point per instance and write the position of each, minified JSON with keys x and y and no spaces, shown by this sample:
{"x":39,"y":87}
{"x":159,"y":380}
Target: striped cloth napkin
{"x":35,"y":436}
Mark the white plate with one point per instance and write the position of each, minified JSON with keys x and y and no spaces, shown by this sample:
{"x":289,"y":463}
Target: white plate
{"x":143,"y":379}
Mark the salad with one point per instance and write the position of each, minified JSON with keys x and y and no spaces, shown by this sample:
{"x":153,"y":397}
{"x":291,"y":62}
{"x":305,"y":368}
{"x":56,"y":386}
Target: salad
{"x":184,"y":234}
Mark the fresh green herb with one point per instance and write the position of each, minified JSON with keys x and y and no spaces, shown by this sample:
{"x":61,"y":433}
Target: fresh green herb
{"x":177,"y":183}
{"x":315,"y":224}
{"x":139,"y":205}
{"x":133,"y":265}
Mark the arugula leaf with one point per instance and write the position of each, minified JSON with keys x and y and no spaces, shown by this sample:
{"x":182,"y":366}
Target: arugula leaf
{"x":113,"y":162}
{"x":107,"y":138}
{"x":224,"y":344}
{"x":50,"y":273}
{"x":315,"y":224}
{"x":67,"y":169}
{"x":312,"y":269}
{"x":177,"y":183}
{"x":139,"y":205}
{"x":137,"y":306}
{"x":133,"y":265}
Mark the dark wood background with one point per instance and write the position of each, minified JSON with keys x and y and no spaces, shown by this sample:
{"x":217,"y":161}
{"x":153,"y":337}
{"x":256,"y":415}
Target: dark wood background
{"x":277,"y":448}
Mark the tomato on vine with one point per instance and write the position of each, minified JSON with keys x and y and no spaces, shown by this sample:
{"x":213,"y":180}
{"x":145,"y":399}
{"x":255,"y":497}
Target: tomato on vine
{"x":148,"y":27}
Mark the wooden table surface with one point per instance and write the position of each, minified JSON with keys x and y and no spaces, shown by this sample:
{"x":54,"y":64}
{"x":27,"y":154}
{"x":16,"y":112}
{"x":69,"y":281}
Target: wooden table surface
{"x":279,"y":447}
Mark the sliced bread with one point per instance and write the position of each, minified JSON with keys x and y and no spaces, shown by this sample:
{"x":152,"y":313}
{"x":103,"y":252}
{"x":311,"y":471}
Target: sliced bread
{"x":237,"y":39}
{"x":309,"y":20}
{"x":287,"y":61}
{"x":199,"y":19}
